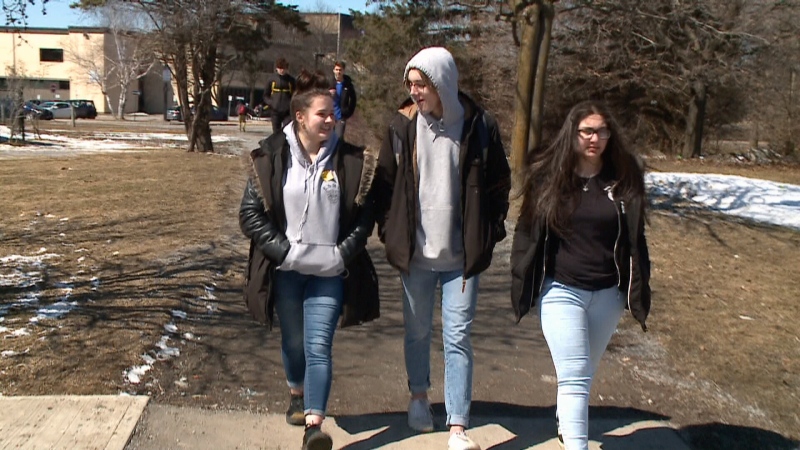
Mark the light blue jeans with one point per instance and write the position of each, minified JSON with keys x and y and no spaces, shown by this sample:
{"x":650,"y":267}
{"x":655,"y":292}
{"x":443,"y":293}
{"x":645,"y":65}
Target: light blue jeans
{"x":308,"y":308}
{"x":577,"y":325}
{"x":458,"y":310}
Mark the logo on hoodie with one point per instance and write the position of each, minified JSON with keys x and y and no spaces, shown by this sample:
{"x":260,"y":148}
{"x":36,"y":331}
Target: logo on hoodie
{"x":330,"y":186}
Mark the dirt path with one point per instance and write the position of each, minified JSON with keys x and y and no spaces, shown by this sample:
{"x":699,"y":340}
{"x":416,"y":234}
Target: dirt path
{"x":159,"y":230}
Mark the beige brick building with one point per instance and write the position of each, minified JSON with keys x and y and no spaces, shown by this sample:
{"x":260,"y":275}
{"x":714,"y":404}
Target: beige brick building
{"x":46,"y":61}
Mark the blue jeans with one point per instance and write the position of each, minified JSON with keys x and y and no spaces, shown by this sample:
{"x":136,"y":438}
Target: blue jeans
{"x":308,"y":308}
{"x":458,"y":310}
{"x":577,"y":325}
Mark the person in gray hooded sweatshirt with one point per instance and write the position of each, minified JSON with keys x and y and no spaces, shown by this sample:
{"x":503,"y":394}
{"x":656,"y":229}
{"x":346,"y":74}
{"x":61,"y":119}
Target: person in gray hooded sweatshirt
{"x":443,"y":182}
{"x":308,"y":211}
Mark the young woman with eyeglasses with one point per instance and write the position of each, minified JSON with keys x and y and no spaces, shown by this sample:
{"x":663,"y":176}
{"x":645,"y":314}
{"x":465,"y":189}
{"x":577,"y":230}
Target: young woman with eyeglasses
{"x":579,"y":253}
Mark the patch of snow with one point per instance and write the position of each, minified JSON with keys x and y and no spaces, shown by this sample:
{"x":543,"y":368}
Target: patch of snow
{"x":54,"y":311}
{"x":165,"y":351}
{"x":759,"y":200}
{"x":97,"y":142}
{"x":171,"y":328}
{"x":179,"y":314}
{"x":134,"y":374}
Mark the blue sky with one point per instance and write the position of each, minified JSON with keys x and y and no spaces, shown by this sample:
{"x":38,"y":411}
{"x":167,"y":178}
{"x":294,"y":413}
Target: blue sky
{"x":60,"y":15}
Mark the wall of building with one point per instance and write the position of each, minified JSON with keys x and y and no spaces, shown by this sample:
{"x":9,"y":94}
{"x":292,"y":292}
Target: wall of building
{"x":66,"y":79}
{"x":69,"y":79}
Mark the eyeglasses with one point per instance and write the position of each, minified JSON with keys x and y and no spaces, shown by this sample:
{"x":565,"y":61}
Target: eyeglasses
{"x":416,"y":84}
{"x":587,"y":133}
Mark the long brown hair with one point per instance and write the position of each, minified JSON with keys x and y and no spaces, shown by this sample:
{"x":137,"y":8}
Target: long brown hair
{"x":552,"y":189}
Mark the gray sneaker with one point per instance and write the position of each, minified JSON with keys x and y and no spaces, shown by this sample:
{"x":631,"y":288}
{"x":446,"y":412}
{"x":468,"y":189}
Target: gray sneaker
{"x":420,"y":415}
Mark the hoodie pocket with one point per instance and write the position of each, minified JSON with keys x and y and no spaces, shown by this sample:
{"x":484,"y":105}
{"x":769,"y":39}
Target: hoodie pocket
{"x":314,"y":259}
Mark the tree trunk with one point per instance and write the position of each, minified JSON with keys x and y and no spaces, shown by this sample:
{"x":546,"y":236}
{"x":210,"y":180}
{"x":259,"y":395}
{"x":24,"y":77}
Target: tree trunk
{"x":693,"y":144}
{"x":204,"y":73}
{"x":526,"y":72}
{"x":537,"y":106}
{"x":108,"y":102}
{"x":754,"y":135}
{"x":123,"y":99}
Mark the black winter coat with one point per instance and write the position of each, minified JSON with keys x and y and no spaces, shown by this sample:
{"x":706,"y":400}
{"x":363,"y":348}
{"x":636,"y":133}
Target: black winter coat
{"x":485,"y":184}
{"x":278,"y":92}
{"x":532,"y":246}
{"x":262,"y":219}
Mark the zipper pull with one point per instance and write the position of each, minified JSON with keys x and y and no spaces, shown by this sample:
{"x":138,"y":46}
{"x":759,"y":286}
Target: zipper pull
{"x":463,"y":284}
{"x":622,"y":206}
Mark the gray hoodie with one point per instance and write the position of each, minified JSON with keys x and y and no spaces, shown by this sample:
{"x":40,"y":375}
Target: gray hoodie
{"x":311,"y":200}
{"x":439,"y":243}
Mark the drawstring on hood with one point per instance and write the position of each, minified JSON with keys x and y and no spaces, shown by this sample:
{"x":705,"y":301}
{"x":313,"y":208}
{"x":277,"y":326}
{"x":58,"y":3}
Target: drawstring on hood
{"x":312,"y":206}
{"x":312,"y":169}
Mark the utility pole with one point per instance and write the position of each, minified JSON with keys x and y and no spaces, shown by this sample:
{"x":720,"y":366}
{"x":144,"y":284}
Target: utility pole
{"x":338,"y":31}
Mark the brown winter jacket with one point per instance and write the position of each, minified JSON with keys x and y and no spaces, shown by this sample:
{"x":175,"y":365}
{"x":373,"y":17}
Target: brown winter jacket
{"x":262,"y":219}
{"x":485,"y":184}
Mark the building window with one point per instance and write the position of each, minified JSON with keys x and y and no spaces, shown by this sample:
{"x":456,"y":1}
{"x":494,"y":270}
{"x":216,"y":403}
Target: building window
{"x":3,"y":83}
{"x":51,"y":55}
{"x":63,"y":85}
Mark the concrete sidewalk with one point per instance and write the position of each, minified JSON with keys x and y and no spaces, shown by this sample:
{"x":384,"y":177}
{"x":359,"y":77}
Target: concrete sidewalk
{"x":107,"y":422}
{"x":167,"y":427}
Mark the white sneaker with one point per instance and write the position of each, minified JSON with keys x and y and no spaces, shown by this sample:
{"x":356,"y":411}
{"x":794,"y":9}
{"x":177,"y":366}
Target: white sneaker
{"x":420,"y":416}
{"x":460,"y":441}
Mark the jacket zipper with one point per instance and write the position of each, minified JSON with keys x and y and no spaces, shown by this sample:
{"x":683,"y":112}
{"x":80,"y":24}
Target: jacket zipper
{"x":619,"y":236}
{"x":630,"y":258}
{"x":536,"y":293}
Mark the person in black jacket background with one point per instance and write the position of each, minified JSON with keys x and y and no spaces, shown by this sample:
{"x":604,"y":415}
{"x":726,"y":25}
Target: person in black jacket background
{"x":579,"y":249}
{"x":278,"y":95}
{"x":344,"y":97}
{"x":308,"y":211}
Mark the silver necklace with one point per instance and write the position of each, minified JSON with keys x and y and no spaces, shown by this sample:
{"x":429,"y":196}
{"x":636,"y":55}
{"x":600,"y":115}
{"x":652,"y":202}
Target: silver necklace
{"x":586,"y":183}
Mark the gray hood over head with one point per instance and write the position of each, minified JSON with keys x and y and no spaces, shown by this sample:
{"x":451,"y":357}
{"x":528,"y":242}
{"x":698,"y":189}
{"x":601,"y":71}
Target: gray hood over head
{"x":439,"y":66}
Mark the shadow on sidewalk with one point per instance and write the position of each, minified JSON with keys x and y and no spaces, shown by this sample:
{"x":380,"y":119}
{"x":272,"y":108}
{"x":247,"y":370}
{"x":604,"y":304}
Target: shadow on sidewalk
{"x":524,"y":426}
{"x":614,"y":428}
{"x":719,"y":436}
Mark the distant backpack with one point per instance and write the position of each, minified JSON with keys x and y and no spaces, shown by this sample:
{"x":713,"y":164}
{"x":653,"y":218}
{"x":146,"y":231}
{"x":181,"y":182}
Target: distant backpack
{"x":242,"y":110}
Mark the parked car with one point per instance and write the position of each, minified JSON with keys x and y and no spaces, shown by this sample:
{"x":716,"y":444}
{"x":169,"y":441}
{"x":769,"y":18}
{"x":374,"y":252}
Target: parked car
{"x":33,"y":111}
{"x":60,"y":110}
{"x":84,"y":109}
{"x":174,"y":113}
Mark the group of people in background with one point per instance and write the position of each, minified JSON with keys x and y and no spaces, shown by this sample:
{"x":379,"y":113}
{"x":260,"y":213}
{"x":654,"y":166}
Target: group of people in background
{"x":280,"y":88}
{"x":438,"y":189}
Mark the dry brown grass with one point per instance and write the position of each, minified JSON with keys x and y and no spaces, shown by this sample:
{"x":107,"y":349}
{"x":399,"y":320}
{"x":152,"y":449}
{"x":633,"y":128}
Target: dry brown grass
{"x":138,"y":220}
{"x":171,"y":216}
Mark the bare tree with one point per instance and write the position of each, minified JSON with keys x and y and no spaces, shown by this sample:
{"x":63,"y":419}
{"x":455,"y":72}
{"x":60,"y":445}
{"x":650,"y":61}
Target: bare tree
{"x":121,"y":57}
{"x":16,"y":11}
{"x":13,"y":104}
{"x":189,"y":36}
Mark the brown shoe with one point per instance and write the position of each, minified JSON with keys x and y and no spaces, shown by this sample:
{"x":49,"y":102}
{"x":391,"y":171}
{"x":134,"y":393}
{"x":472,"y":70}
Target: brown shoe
{"x":296,"y":415}
{"x":316,"y":439}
